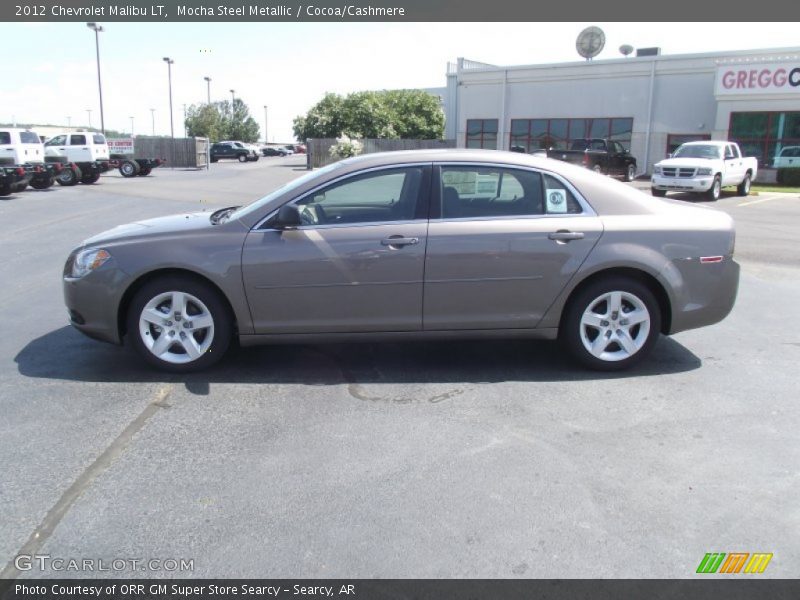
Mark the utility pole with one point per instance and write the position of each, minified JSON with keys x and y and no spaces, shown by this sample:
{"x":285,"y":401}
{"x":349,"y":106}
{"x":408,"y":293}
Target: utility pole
{"x":153,"y":120}
{"x":97,"y":29}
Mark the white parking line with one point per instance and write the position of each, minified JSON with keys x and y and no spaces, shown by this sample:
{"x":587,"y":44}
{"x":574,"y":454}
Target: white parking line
{"x":767,"y":199}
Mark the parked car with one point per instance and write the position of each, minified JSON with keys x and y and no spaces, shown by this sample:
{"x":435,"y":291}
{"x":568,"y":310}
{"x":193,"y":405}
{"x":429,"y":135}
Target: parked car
{"x":299,"y":148}
{"x":274,"y":151}
{"x":24,"y":148}
{"x":412,"y":245}
{"x":86,"y":153}
{"x":235,"y":150}
{"x":789,"y":156}
{"x":704,"y":167}
{"x":599,"y":155}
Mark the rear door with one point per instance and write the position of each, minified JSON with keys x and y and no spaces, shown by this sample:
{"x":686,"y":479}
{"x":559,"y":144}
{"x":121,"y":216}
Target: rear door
{"x":734,"y":168}
{"x":78,"y":149}
{"x":355,"y":265}
{"x":502,"y":243}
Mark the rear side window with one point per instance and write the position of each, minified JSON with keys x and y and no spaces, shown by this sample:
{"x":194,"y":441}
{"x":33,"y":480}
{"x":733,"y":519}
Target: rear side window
{"x":98,"y":139}
{"x":476,"y":192}
{"x":59,"y":140}
{"x":28,"y":137}
{"x":5,"y":137}
{"x":77,"y":140}
{"x":558,"y":199}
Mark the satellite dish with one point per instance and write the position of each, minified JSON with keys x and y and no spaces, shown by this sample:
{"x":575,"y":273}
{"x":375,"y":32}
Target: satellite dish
{"x":590,"y":42}
{"x":625,"y":49}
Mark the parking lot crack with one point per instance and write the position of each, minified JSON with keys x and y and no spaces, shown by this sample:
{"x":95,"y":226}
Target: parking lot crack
{"x":84,"y":481}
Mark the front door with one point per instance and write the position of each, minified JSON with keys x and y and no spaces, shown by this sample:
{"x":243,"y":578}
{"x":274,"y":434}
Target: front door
{"x":502,"y":246}
{"x":355,"y":264}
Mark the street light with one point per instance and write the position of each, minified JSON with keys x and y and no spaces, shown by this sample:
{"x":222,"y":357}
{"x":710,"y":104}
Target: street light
{"x":266,"y":139}
{"x":170,"y":62}
{"x":69,"y":122}
{"x":153,"y":118}
{"x":233,"y":100}
{"x":208,"y":88}
{"x":131,"y":118}
{"x":89,"y":112}
{"x":97,"y":29}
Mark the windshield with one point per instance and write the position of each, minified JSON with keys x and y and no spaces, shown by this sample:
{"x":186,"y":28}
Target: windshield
{"x":698,"y":151}
{"x":292,"y":185}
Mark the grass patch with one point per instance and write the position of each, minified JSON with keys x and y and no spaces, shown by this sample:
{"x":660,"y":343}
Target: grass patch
{"x":786,"y":189}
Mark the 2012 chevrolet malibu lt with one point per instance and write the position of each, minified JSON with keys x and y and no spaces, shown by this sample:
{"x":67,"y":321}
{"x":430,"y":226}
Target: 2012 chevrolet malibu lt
{"x":419,"y":244}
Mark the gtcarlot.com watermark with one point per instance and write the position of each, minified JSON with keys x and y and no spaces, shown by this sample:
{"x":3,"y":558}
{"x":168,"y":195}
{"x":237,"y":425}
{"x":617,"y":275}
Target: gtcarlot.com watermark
{"x":45,"y":562}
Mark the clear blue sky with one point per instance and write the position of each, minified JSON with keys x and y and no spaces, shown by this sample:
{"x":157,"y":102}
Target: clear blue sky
{"x":51,"y":73}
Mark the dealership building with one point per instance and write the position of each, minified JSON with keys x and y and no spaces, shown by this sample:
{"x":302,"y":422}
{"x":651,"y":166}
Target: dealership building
{"x":649,"y":103}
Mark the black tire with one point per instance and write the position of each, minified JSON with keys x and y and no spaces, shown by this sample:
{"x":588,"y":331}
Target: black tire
{"x":597,"y":169}
{"x":5,"y":189}
{"x":129,"y":168}
{"x":715,"y":191}
{"x":222,"y":323}
{"x":90,"y":179}
{"x":69,"y":176}
{"x":574,"y":334}
{"x":658,"y":193}
{"x":213,"y":160}
{"x":20,"y":187}
{"x":145,"y":171}
{"x":743,"y":189}
{"x":43,"y":184}
{"x":630,"y":172}
{"x":242,"y":158}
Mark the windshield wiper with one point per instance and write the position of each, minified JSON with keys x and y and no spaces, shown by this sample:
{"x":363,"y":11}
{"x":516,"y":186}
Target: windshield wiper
{"x":221,"y":215}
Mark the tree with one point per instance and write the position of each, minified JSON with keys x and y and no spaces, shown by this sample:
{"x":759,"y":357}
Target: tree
{"x":222,"y":121}
{"x":409,"y":114}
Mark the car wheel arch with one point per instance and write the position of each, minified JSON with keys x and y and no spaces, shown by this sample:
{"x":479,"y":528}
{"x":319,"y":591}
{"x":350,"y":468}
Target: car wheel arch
{"x":647,"y":279}
{"x":145,"y":278}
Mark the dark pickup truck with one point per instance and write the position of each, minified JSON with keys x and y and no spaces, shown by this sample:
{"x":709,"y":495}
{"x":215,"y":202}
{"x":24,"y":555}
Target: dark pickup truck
{"x":600,"y":155}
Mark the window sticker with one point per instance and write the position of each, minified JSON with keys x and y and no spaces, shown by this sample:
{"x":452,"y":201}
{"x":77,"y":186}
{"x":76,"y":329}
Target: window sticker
{"x":556,"y":201}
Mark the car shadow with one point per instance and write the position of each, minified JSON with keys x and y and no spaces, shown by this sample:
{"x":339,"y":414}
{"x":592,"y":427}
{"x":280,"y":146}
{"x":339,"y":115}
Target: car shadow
{"x":700,"y":198}
{"x":66,"y":354}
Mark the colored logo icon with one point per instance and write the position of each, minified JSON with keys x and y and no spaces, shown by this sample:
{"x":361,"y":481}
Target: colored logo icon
{"x":734,"y":562}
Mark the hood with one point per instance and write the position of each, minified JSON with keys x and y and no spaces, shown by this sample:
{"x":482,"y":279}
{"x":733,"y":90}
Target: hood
{"x":160,"y":226}
{"x":685,"y":162}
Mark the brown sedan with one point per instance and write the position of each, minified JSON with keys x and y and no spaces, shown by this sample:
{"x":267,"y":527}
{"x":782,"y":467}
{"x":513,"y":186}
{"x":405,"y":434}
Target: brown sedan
{"x":401,"y":245}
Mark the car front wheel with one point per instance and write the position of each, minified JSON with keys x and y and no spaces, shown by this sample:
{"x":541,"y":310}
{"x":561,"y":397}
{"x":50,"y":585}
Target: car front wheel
{"x":179,"y":324}
{"x":242,"y":158}
{"x":611,"y":324}
{"x":715,"y":190}
{"x":743,"y":189}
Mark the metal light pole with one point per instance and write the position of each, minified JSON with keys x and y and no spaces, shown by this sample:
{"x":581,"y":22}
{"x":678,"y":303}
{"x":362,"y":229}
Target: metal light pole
{"x":153,"y":119}
{"x":208,"y":88}
{"x":69,"y":122}
{"x":170,"y":62}
{"x":266,"y":139}
{"x":89,"y":112}
{"x":184,"y":120}
{"x":97,"y":29}
{"x":233,"y":100}
{"x":131,"y":118}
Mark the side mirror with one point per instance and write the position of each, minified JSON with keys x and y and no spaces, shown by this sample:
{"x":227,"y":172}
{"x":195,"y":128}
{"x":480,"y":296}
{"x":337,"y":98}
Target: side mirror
{"x":288,"y":217}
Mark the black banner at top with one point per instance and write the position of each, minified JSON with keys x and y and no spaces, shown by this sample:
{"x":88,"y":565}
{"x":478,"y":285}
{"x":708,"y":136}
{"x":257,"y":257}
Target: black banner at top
{"x":395,"y":10}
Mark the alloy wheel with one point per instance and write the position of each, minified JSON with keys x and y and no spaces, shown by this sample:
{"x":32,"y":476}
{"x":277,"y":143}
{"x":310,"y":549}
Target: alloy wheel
{"x":615,"y":326}
{"x":176,"y":327}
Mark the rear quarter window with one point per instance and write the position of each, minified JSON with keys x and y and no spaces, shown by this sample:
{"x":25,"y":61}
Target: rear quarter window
{"x":98,"y":139}
{"x":558,"y":199}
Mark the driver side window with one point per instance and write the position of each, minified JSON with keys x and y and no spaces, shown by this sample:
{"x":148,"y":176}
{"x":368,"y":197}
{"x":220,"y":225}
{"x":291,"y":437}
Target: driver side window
{"x":379,"y":197}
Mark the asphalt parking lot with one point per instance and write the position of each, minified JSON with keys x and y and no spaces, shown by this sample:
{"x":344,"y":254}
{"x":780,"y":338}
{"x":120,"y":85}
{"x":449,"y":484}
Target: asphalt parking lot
{"x":450,"y":459}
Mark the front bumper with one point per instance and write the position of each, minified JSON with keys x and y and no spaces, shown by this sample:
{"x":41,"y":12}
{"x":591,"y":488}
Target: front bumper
{"x":93,"y":302}
{"x":701,"y":183}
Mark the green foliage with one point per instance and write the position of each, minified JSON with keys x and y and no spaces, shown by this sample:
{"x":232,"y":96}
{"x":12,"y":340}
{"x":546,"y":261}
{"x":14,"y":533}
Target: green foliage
{"x":788,"y":176}
{"x":408,"y":114}
{"x":222,"y":121}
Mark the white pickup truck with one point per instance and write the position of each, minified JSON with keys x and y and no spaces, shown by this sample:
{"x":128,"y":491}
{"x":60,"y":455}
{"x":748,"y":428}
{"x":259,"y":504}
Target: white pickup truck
{"x":704,"y":167}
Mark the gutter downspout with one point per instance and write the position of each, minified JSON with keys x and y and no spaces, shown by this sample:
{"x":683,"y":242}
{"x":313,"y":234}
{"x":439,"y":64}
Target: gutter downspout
{"x":649,"y":118}
{"x":501,"y":134}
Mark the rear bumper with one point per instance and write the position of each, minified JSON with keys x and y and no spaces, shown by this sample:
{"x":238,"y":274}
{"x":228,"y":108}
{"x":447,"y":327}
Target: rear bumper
{"x":707,"y":295}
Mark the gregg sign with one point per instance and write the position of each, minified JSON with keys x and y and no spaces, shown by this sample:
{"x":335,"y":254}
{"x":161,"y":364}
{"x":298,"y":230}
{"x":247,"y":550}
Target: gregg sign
{"x":771,"y":78}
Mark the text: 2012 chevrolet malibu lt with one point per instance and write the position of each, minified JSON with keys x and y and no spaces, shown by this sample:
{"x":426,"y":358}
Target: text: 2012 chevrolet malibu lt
{"x":402,"y":245}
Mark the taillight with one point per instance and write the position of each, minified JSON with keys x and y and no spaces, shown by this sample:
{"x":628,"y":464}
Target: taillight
{"x":58,"y":167}
{"x":20,"y":171}
{"x":585,"y":160}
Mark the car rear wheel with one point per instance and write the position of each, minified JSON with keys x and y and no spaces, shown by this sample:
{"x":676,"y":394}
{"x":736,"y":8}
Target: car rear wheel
{"x":630,"y":173}
{"x":743,"y":189}
{"x":598,"y":169}
{"x":179,"y":324}
{"x":129,"y":168}
{"x":611,"y":324}
{"x":90,"y":179}
{"x":658,"y":193}
{"x":68,"y":176}
{"x":715,"y":190}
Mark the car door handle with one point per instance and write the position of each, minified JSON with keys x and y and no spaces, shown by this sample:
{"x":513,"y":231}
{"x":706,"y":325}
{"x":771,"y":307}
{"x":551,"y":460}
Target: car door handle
{"x":562,"y":235}
{"x":399,"y":240}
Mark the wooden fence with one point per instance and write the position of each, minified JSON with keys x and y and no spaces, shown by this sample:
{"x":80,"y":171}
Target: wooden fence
{"x":180,"y":152}
{"x":319,"y":150}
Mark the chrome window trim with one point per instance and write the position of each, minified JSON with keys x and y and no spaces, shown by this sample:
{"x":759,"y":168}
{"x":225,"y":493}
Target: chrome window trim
{"x":587,"y":210}
{"x":330,"y":182}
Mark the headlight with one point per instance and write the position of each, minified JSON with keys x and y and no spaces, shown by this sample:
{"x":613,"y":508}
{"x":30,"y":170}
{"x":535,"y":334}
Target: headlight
{"x":704,"y":171}
{"x":88,"y":260}
{"x":657,"y":170}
